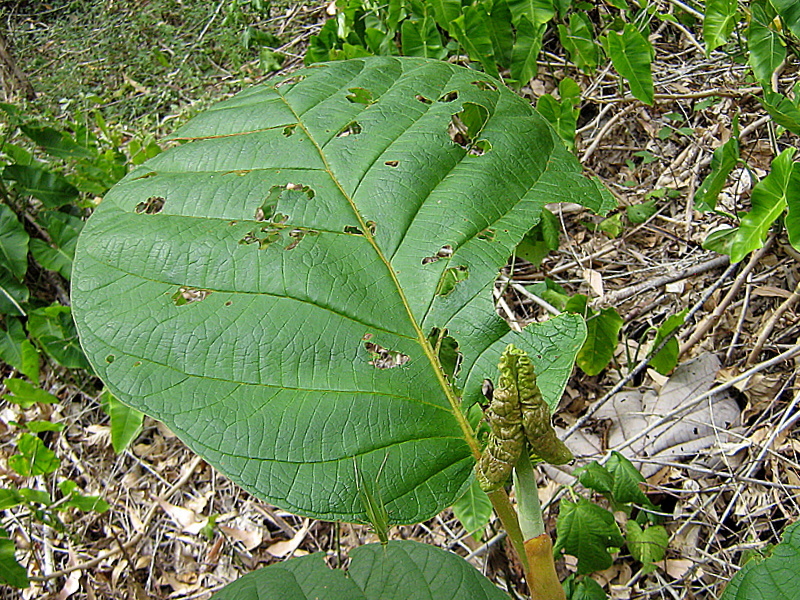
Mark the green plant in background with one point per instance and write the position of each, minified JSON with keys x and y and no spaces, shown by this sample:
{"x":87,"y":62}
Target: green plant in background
{"x":336,"y":234}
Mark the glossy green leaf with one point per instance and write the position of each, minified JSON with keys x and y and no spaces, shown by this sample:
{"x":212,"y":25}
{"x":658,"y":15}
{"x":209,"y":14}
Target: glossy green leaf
{"x":13,"y":294}
{"x":498,"y":21}
{"x":398,"y":571}
{"x":602,"y":335}
{"x":596,"y":477}
{"x":126,"y":422}
{"x":768,"y":200}
{"x":445,"y":12}
{"x":57,"y":143}
{"x":538,"y":12}
{"x":25,"y":394}
{"x":269,"y":289}
{"x":773,"y":578}
{"x":724,"y":160}
{"x":767,"y":51}
{"x":782,"y":110}
{"x":52,"y":327}
{"x":34,"y":457}
{"x":720,"y":18}
{"x":631,"y":55}
{"x":578,"y":39}
{"x":648,"y":546}
{"x":17,"y":351}
{"x":421,"y":38}
{"x":472,"y":32}
{"x":13,"y":243}
{"x":667,"y":358}
{"x":53,"y":190}
{"x":473,"y":509}
{"x":11,"y":572}
{"x":789,"y":10}
{"x":627,"y":481}
{"x":562,"y":115}
{"x":525,"y":51}
{"x":58,"y":254}
{"x":587,"y":531}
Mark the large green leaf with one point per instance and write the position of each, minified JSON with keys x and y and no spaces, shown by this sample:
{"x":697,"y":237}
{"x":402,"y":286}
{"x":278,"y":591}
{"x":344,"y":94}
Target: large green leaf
{"x":774,"y":578}
{"x":13,"y":243}
{"x":718,"y":22}
{"x":768,"y":200}
{"x":767,"y":51}
{"x":631,"y":54}
{"x":472,"y":31}
{"x":789,"y":10}
{"x":399,"y":571}
{"x":272,"y":289}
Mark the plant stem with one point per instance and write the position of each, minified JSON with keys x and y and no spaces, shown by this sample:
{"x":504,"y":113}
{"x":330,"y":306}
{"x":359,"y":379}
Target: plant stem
{"x":508,"y":516}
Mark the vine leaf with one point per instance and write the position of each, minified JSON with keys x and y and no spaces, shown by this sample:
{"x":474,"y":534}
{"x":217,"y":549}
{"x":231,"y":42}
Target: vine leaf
{"x":300,"y":353}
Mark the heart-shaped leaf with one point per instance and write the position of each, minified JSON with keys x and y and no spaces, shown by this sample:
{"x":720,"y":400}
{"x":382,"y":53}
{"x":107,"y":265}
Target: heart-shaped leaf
{"x":279,"y":290}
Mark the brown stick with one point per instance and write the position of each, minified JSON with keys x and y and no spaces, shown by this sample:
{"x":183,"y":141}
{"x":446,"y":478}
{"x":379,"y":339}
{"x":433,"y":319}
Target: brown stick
{"x":770,"y":325}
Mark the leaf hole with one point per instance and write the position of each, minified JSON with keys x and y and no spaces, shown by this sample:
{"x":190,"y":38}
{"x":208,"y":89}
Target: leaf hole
{"x":359,"y":95}
{"x":445,"y":251}
{"x":449,"y":96}
{"x":298,"y":234}
{"x":228,"y":303}
{"x":289,"y":193}
{"x":110,"y":358}
{"x":146,"y":176}
{"x":466,"y":125}
{"x":446,"y":348}
{"x":353,"y":128}
{"x":392,"y":163}
{"x":152,"y":206}
{"x":450,"y":279}
{"x":188,"y":295}
{"x":353,"y":230}
{"x":289,"y":130}
{"x":486,"y":86}
{"x":238,"y":172}
{"x":381,"y":358}
{"x":423,"y":99}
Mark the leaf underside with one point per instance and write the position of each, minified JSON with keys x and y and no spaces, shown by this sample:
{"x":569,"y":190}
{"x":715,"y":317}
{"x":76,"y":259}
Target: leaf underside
{"x":268,"y":288}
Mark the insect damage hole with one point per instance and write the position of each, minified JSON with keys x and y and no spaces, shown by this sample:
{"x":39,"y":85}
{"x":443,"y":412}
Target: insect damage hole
{"x":450,"y":279}
{"x":290,"y":80}
{"x":381,"y":358}
{"x":188,"y":295}
{"x":423,"y":99}
{"x":446,"y":251}
{"x":486,"y":86}
{"x":392,"y":163}
{"x":353,"y":128}
{"x":448,"y":97}
{"x":359,"y":95}
{"x":446,"y":348}
{"x":466,"y":125}
{"x":152,"y":206}
{"x":289,"y":130}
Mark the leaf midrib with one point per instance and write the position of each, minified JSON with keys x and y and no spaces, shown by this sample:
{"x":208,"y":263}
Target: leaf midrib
{"x":422,"y":340}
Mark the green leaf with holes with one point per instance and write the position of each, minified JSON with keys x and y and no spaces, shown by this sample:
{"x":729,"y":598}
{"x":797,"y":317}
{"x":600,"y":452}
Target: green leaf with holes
{"x":376,"y":572}
{"x":273,"y":289}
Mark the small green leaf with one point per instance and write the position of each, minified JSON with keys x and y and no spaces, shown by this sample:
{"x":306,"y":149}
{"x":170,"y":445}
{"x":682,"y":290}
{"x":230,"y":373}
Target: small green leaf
{"x":57,"y":143}
{"x":13,"y":294}
{"x":627,"y":479}
{"x":40,"y":426}
{"x":596,"y":477}
{"x":421,"y":38}
{"x":561,"y":115}
{"x":612,"y":226}
{"x":631,"y":54}
{"x":602,"y":335}
{"x":578,"y":39}
{"x":768,"y":200}
{"x":10,"y":498}
{"x":725,"y":158}
{"x":774,"y":577}
{"x":782,"y":110}
{"x":584,"y":589}
{"x":541,"y":239}
{"x":53,"y":190}
{"x":538,"y":12}
{"x":34,"y":457}
{"x":720,"y":18}
{"x":13,"y":243}
{"x":25,"y":394}
{"x":667,"y":358}
{"x":587,"y":532}
{"x":76,"y":500}
{"x":54,"y":329}
{"x":445,"y":12}
{"x":767,"y":51}
{"x":63,"y":230}
{"x":11,"y":572}
{"x":525,"y":51}
{"x":473,"y":509}
{"x":17,"y":351}
{"x":648,"y":546}
{"x":721,"y":240}
{"x":639,"y":213}
{"x":126,"y":422}
{"x":789,"y":10}
{"x":472,"y":32}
